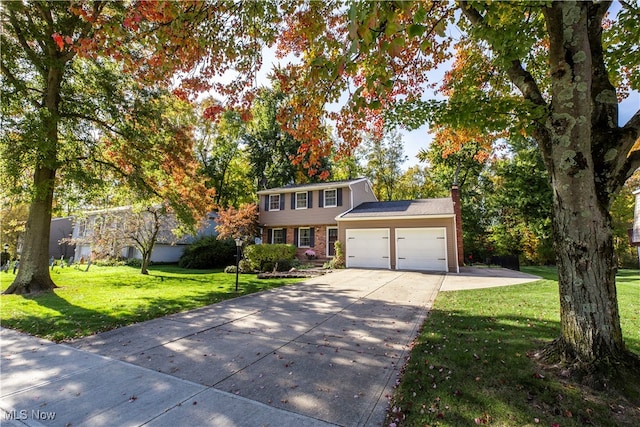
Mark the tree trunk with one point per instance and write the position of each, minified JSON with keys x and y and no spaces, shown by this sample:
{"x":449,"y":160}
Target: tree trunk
{"x":146,"y":245}
{"x":589,"y":317}
{"x":33,"y":275}
{"x":579,"y":127}
{"x":146,"y":256}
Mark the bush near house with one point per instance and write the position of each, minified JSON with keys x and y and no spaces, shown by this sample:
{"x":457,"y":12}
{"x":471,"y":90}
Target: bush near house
{"x":208,"y":252}
{"x":338,"y":260}
{"x":264,"y":257}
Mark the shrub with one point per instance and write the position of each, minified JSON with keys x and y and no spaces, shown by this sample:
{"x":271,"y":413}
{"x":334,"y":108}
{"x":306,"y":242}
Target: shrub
{"x":208,"y":252}
{"x":338,"y":259}
{"x":244,"y":267}
{"x":261,"y":257}
{"x":134,"y":262}
{"x":109,"y":262}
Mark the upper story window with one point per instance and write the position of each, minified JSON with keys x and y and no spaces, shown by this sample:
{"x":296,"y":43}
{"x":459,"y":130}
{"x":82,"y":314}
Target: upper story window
{"x":330,"y":198}
{"x":301,"y":200}
{"x":274,"y":202}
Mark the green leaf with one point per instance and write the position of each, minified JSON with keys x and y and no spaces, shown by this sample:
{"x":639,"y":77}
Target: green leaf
{"x":416,"y":30}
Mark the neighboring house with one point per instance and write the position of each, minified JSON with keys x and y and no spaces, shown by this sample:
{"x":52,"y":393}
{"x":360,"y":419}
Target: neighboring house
{"x":61,"y":232}
{"x":634,"y":233}
{"x":409,"y":235}
{"x":105,"y":226}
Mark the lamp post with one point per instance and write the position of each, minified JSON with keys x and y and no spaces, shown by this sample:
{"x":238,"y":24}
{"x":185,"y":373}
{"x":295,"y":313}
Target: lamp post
{"x":238,"y":245}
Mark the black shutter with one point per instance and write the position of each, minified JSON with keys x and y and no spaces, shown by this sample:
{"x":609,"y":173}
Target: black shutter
{"x":284,"y":235}
{"x":266,"y":202}
{"x":312,"y":241}
{"x":321,"y":198}
{"x":270,"y":235}
{"x":339,"y":196}
{"x":310,"y":199}
{"x":295,"y":237}
{"x":293,"y":200}
{"x":282,"y":202}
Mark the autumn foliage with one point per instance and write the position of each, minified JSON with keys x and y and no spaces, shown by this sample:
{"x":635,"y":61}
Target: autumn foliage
{"x":241,"y":223}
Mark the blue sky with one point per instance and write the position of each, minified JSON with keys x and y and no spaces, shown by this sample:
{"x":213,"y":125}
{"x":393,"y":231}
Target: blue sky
{"x":419,"y":139}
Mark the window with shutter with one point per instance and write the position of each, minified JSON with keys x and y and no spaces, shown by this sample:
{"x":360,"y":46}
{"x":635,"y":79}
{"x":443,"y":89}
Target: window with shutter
{"x":330,"y":198}
{"x":278,"y":236}
{"x":304,"y":237}
{"x":301,"y":200}
{"x":274,"y":202}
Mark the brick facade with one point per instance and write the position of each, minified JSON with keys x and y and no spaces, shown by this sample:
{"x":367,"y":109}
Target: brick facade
{"x":320,"y":240}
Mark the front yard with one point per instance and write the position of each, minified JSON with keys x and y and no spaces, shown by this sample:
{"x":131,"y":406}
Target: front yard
{"x":109,"y":297}
{"x":472,"y":364}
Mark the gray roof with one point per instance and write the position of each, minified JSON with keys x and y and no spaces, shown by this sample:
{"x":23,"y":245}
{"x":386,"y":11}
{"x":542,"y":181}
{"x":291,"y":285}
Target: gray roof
{"x":400,"y":208}
{"x":311,"y":186}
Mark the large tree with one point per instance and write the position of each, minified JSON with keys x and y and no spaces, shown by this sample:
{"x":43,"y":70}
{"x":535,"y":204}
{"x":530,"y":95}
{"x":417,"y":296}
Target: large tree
{"x":384,"y":157}
{"x":546,"y":69}
{"x":519,"y":198}
{"x":70,"y":112}
{"x":219,"y":145}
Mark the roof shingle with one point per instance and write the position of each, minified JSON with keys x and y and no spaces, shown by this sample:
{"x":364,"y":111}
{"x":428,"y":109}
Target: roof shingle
{"x":420,"y":207}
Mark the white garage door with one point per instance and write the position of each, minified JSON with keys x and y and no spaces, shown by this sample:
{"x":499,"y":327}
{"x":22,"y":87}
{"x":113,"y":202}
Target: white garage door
{"x":421,"y":249}
{"x":368,"y":248}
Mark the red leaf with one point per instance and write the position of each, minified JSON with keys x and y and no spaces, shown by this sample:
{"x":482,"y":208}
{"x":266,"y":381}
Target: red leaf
{"x":58,"y":39}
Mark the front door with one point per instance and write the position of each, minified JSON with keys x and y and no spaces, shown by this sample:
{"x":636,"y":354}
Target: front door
{"x":332,"y":238}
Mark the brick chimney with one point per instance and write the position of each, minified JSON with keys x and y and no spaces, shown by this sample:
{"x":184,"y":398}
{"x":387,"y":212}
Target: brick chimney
{"x":457,"y":209}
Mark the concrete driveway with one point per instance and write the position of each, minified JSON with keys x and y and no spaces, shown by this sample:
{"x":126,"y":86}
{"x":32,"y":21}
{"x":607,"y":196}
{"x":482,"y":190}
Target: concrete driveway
{"x":323,"y":352}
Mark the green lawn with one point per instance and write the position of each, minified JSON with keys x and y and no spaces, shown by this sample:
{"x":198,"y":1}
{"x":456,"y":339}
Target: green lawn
{"x":471,"y":364}
{"x":108,"y":297}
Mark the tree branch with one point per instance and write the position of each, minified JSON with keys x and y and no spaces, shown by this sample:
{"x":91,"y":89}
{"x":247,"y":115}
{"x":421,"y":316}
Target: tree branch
{"x":137,"y":178}
{"x":628,"y":161}
{"x":20,"y":85}
{"x":102,"y":123}
{"x":634,"y":163}
{"x":17,"y":28}
{"x":520,"y":77}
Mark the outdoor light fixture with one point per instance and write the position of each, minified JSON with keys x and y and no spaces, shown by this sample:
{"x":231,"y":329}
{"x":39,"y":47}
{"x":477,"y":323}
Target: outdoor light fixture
{"x":238,"y":245}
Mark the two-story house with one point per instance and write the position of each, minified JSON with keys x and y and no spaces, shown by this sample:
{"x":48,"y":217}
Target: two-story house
{"x":305,"y":215}
{"x":409,"y":235}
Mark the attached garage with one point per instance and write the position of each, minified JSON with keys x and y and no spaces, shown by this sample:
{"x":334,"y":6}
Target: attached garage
{"x":368,"y":248}
{"x":421,"y":249}
{"x":401,"y":235}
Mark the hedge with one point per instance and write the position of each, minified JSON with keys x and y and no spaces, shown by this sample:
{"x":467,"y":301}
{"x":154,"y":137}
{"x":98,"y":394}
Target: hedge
{"x":263,"y":257}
